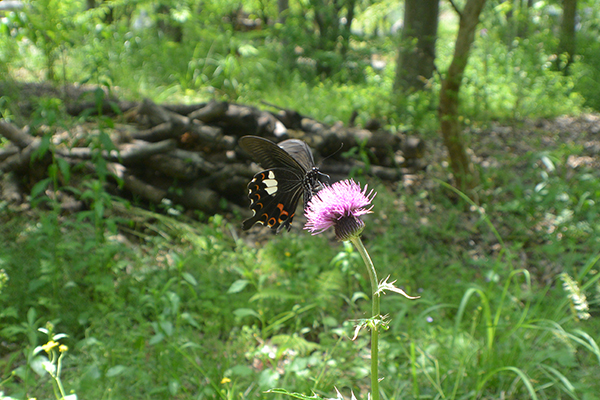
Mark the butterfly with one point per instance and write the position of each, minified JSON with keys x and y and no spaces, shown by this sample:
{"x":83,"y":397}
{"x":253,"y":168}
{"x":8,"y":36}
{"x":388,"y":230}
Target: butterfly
{"x":290,"y":172}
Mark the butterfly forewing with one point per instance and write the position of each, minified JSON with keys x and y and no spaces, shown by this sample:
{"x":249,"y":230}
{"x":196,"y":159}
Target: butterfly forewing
{"x":268,"y":154}
{"x":274,"y":193}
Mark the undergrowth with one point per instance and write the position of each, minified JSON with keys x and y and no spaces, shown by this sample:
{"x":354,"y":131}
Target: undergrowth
{"x":189,"y":310}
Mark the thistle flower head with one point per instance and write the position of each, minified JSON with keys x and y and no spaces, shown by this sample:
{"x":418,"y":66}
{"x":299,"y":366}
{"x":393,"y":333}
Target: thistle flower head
{"x":339,"y":206}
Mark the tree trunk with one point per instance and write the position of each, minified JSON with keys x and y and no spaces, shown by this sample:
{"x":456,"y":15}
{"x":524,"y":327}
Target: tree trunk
{"x":416,"y":53}
{"x":567,"y":36}
{"x":282,"y":10}
{"x":524,"y":18}
{"x":326,"y":18}
{"x":350,"y":5}
{"x":449,"y":97}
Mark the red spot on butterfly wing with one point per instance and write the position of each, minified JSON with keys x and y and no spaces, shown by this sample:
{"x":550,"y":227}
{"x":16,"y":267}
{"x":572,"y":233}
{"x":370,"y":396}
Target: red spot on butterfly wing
{"x":283,"y":215}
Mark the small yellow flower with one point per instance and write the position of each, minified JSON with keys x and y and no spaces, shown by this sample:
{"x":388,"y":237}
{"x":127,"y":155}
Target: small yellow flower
{"x":49,"y":346}
{"x":62,"y":348}
{"x":225,"y":380}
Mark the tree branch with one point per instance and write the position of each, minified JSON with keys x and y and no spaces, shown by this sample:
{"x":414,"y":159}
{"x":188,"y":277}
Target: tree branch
{"x":455,"y":8}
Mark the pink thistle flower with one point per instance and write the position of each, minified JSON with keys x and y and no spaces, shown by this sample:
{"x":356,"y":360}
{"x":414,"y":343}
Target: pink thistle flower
{"x":339,"y":206}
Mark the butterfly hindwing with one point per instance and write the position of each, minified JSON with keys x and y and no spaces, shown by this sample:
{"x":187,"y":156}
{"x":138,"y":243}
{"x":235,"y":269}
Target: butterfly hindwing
{"x":300,"y":151}
{"x":274,"y":193}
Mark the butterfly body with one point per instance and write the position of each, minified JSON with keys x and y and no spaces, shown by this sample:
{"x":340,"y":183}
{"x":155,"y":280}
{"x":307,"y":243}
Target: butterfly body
{"x":275,"y":192}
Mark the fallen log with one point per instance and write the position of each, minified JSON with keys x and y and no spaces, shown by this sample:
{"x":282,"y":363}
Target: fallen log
{"x":8,"y":151}
{"x":291,"y":119}
{"x":18,"y":136}
{"x":158,"y":115}
{"x":197,"y":197}
{"x":10,"y":188}
{"x":136,"y":185}
{"x":188,"y":154}
{"x":129,"y":153}
{"x":210,"y":112}
{"x":181,"y":164}
{"x":184,"y":109}
{"x":136,"y":152}
{"x":19,"y":162}
{"x":168,"y":124}
{"x":157,"y":133}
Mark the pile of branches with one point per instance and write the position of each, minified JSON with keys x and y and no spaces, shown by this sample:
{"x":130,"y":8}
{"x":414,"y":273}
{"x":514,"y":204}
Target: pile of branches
{"x":182,"y":154}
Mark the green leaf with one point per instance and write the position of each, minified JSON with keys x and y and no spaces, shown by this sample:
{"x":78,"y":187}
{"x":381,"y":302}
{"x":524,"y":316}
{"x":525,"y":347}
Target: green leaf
{"x":190,"y":320}
{"x":359,"y":295}
{"x":37,"y":365}
{"x":65,"y":169}
{"x":39,"y":187}
{"x":31,"y":315}
{"x":246,"y":312}
{"x":42,"y":149}
{"x":189,"y":279}
{"x":173,"y":386}
{"x":156,"y":339}
{"x":268,"y":378}
{"x":59,"y":336}
{"x":238,"y":286}
{"x":276,"y":294}
{"x":167,"y":327}
{"x":115,"y":107}
{"x":115,"y":371}
{"x":99,"y":97}
{"x":106,"y":142}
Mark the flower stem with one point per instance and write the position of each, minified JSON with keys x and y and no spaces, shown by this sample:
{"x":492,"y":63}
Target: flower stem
{"x":375,"y":316}
{"x":57,"y":378}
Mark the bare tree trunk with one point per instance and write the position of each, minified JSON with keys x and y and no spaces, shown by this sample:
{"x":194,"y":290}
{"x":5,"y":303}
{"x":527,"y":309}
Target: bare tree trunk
{"x":449,"y":97}
{"x":282,"y":8}
{"x":567,"y":36}
{"x":416,"y":54}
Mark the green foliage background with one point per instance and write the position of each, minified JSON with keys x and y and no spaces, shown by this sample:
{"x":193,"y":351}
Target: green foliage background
{"x":166,"y":307}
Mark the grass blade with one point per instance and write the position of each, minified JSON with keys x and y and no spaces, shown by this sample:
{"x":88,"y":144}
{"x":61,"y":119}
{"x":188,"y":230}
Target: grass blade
{"x":518,"y":372}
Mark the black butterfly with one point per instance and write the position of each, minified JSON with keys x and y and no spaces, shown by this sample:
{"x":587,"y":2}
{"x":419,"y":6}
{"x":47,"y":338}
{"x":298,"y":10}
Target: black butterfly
{"x":275,"y":192}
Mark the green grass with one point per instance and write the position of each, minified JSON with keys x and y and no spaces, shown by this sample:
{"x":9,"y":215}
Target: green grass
{"x":182,"y":309}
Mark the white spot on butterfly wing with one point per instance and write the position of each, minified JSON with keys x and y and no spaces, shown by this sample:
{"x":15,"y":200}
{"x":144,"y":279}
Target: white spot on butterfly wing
{"x":271,"y":190}
{"x":270,"y":184}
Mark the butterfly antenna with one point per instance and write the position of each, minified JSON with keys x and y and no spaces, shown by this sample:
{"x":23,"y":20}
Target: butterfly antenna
{"x":334,"y":153}
{"x":329,"y":156}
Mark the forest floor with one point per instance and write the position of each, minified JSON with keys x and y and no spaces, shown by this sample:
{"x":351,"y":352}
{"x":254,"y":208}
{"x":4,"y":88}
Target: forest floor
{"x":539,"y":184}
